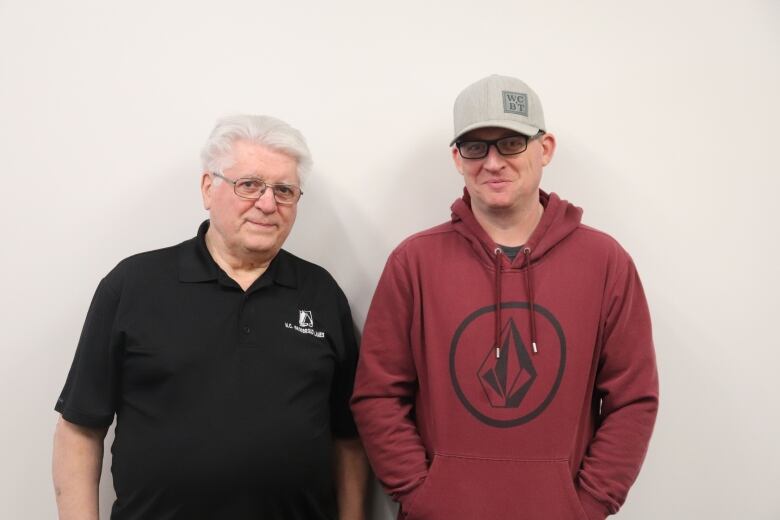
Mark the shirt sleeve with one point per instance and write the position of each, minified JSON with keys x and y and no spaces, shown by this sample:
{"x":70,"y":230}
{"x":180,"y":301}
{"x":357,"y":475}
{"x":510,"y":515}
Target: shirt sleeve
{"x":89,"y":397}
{"x":342,"y":423}
{"x":627,"y":382}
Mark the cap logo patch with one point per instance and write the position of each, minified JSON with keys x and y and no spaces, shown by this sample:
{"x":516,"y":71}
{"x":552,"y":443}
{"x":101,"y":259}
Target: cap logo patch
{"x":515,"y":103}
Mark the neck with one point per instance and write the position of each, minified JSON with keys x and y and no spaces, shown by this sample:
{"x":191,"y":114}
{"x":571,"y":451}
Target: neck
{"x":510,"y":227}
{"x":244,"y":269}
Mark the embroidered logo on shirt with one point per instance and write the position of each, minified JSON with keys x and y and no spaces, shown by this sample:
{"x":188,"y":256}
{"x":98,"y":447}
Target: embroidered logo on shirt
{"x":515,"y":386}
{"x":515,"y":103}
{"x":305,"y":319}
{"x":305,"y":325}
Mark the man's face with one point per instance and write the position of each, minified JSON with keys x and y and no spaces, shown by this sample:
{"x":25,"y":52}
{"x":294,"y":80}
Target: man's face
{"x":251,"y":228}
{"x":504,"y":183}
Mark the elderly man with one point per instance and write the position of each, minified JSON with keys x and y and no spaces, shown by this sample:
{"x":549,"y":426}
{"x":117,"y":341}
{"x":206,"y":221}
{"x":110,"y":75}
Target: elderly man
{"x":228,"y":361}
{"x":507,"y":367}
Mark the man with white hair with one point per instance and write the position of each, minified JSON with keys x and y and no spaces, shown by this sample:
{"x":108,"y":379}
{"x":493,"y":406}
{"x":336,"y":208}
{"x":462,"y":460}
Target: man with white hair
{"x":227,"y":361}
{"x":507,"y":368}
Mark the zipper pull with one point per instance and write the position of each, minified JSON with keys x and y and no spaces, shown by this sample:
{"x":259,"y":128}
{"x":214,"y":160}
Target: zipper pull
{"x":498,"y":352}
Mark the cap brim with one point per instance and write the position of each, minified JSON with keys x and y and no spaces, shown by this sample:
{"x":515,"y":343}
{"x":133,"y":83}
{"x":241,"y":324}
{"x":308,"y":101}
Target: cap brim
{"x":517,"y":126}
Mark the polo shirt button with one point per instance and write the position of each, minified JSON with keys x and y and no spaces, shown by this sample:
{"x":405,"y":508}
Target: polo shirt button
{"x":247,"y":330}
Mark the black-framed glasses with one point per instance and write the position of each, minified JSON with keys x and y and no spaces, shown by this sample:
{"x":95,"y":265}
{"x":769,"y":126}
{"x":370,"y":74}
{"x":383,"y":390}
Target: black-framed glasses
{"x":253,"y":188}
{"x":479,"y":148}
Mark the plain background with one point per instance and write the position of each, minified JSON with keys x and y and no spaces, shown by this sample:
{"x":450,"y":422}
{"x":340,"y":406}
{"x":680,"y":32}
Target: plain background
{"x":666,"y":115}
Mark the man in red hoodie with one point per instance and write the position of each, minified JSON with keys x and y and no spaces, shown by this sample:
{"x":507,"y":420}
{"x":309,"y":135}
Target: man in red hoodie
{"x":507,"y":368}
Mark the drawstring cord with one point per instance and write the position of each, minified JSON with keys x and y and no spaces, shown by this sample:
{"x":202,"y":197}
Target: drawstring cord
{"x":498,"y":252}
{"x":531,"y":309}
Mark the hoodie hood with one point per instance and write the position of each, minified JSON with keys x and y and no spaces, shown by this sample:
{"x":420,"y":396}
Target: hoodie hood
{"x":559,"y":220}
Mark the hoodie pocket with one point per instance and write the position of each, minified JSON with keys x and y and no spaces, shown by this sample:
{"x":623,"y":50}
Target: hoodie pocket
{"x":468,"y":488}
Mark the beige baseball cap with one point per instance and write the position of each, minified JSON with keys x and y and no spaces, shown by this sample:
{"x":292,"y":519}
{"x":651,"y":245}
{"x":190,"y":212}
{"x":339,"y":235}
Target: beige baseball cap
{"x":499,"y":101}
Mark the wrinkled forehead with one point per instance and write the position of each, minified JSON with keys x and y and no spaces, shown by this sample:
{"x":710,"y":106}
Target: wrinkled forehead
{"x":257,"y":160}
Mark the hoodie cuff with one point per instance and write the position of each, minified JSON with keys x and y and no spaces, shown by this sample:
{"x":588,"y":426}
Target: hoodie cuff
{"x":593,"y":508}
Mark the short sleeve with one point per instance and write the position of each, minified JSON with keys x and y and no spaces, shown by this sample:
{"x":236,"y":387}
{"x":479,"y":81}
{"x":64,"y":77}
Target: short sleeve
{"x":89,"y":397}
{"x":342,"y":423}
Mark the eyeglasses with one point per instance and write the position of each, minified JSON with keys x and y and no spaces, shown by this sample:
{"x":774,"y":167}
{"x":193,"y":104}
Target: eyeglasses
{"x":253,"y":188}
{"x":479,"y":148}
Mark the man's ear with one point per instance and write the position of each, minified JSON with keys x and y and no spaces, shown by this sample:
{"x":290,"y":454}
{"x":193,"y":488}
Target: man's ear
{"x":206,"y":183}
{"x":457,"y":159}
{"x":548,"y":148}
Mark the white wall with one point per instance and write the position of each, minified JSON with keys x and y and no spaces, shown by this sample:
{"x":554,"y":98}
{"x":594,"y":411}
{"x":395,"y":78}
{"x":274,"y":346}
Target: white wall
{"x":666,"y":115}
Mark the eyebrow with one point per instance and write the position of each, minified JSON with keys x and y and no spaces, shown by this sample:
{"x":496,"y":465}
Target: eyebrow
{"x":275,"y":183}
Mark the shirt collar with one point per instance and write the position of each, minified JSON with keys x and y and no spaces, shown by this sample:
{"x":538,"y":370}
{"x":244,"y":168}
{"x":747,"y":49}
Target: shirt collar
{"x":197,"y":265}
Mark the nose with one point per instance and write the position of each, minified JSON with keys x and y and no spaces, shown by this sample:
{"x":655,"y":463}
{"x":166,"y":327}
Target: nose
{"x":266,"y":203}
{"x":493,"y":161}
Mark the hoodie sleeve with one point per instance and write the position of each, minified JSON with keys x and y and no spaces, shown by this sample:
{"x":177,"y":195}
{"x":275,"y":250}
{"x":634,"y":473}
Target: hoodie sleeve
{"x":386,"y":385}
{"x":627,"y":383}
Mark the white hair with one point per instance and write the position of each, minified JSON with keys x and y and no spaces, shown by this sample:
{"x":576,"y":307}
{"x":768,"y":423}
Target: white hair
{"x":217,"y":153}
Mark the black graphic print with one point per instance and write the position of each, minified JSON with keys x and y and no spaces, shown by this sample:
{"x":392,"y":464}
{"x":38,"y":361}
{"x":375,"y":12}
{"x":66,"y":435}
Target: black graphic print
{"x":515,"y":387}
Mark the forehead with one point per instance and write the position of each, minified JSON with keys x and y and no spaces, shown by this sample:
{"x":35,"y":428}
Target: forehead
{"x":251,"y":159}
{"x":490,"y":132}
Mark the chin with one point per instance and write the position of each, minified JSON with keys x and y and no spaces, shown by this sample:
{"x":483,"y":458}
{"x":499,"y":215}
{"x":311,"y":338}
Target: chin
{"x":260,"y":247}
{"x":500,"y":204}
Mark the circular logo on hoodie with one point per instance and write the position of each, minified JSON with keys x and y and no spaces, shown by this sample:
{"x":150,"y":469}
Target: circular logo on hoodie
{"x":514,"y":385}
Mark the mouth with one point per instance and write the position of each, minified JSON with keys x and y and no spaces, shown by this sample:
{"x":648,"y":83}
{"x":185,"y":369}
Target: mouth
{"x":260,"y":225}
{"x":496,"y":182}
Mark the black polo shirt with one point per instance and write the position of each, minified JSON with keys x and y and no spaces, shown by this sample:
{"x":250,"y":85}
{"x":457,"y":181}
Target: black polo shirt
{"x":226,"y":401}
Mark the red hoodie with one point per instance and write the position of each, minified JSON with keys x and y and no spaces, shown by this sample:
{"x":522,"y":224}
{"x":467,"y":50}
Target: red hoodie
{"x":463,"y":417}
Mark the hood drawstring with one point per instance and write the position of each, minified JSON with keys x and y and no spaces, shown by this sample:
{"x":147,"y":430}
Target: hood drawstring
{"x":498,"y":253}
{"x":531,"y":308}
